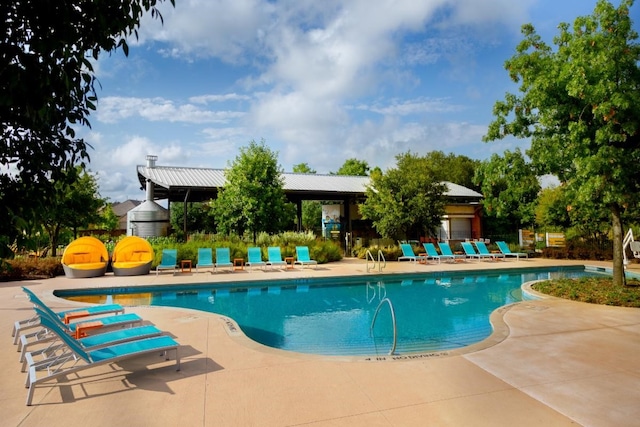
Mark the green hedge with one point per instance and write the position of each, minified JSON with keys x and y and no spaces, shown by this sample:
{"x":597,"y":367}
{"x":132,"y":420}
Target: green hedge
{"x":323,"y":251}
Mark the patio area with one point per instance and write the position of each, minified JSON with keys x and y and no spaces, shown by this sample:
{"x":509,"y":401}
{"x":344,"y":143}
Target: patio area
{"x":550,"y":362}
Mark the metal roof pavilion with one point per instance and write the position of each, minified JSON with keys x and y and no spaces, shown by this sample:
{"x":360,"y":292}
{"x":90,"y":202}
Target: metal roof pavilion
{"x":181,"y":184}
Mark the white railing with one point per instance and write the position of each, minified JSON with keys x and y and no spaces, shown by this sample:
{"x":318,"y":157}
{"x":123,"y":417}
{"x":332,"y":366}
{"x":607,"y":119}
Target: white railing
{"x":382,"y":262}
{"x":628,"y":241}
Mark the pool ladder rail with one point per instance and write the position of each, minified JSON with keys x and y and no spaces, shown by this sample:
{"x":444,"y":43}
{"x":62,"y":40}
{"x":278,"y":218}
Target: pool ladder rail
{"x":382,"y":262}
{"x":393,"y":321}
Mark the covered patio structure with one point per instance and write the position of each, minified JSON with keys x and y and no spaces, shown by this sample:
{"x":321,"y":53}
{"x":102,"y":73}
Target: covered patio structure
{"x":189,"y":184}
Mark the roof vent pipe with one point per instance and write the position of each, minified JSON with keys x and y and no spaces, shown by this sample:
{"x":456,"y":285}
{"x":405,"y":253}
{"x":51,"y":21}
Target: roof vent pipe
{"x":151,"y":161}
{"x":149,"y":192}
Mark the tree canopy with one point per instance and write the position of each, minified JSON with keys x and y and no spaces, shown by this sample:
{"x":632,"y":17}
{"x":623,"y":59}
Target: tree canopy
{"x":406,"y":201}
{"x":303,"y":168}
{"x":580,"y":106}
{"x":510,"y":188}
{"x":551,"y":209}
{"x":47,"y":90}
{"x":75,"y":205}
{"x":354,"y":167}
{"x":199,"y":217}
{"x":108,"y":219}
{"x":253,"y":197}
{"x":454,"y":168}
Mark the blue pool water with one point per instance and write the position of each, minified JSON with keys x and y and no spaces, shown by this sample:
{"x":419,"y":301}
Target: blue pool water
{"x":434,"y":312}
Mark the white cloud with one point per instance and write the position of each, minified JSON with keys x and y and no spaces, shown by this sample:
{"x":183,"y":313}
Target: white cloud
{"x":114,"y":108}
{"x":133,"y":152}
{"x":321,"y":81}
{"x":221,"y":28}
{"x":412,"y":106}
{"x":205,"y":99}
{"x":115,"y":167}
{"x":118,"y":186}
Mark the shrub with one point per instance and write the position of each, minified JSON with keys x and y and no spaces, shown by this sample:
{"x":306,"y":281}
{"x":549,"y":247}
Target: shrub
{"x":263,"y":239}
{"x":25,"y":268}
{"x":390,"y":253}
{"x":320,"y":250}
{"x":580,"y":249}
{"x":325,"y":251}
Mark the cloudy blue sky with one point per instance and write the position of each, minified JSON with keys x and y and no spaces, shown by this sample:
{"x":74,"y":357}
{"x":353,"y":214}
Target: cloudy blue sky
{"x":319,"y":81}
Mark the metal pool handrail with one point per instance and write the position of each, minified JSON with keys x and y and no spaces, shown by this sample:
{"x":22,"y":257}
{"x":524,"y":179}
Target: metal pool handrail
{"x":393,"y":320}
{"x":381,"y":259}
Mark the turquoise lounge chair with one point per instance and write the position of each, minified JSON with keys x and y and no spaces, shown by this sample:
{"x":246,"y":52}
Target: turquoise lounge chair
{"x":504,"y":248}
{"x":408,"y":254}
{"x":254,"y":257}
{"x":66,"y":315}
{"x":470,"y":252}
{"x":484,"y":251}
{"x":169,"y":260}
{"x":432,"y":253}
{"x":205,"y":259}
{"x":445,"y":249}
{"x":223,"y":259}
{"x":72,"y":358}
{"x":79,"y":329}
{"x":37,"y":302}
{"x":303,"y":258}
{"x":90,"y":342}
{"x":275,"y":257}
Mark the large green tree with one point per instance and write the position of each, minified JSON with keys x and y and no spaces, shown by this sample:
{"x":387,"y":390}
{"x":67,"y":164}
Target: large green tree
{"x":406,"y":201}
{"x":47,"y":91}
{"x":580,"y":105}
{"x":253,"y":197}
{"x":510,"y":188}
{"x":76,"y":205}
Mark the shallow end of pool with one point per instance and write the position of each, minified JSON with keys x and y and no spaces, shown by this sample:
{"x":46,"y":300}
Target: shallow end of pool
{"x":500,"y":333}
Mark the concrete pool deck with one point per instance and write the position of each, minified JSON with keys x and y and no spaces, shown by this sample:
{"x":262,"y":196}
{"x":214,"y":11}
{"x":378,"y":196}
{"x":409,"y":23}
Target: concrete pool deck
{"x":556,"y":363}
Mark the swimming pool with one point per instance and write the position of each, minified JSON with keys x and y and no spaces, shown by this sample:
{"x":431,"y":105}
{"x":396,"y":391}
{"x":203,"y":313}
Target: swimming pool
{"x":433,"y":311}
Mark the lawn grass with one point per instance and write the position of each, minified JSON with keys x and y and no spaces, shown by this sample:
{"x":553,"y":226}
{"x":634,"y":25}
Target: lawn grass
{"x":596,"y":290}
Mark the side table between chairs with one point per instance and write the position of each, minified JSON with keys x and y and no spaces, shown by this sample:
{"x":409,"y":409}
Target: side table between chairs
{"x":288,"y":261}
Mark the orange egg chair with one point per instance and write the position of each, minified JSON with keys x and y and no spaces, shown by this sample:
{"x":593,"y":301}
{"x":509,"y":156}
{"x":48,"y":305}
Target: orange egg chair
{"x":132,"y":256}
{"x":85,"y":257}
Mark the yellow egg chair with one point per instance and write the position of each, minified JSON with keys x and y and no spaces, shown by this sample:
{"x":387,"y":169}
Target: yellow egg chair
{"x":132,"y":256}
{"x":85,"y":257}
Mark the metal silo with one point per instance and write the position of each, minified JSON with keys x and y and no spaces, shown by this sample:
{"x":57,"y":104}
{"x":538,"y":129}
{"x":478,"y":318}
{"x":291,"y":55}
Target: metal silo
{"x":148,"y":219}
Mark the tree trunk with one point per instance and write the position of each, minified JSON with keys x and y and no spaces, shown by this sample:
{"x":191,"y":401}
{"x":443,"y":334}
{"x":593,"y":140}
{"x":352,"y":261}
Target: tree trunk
{"x":52,"y":244}
{"x":618,"y":261}
{"x":54,"y":234}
